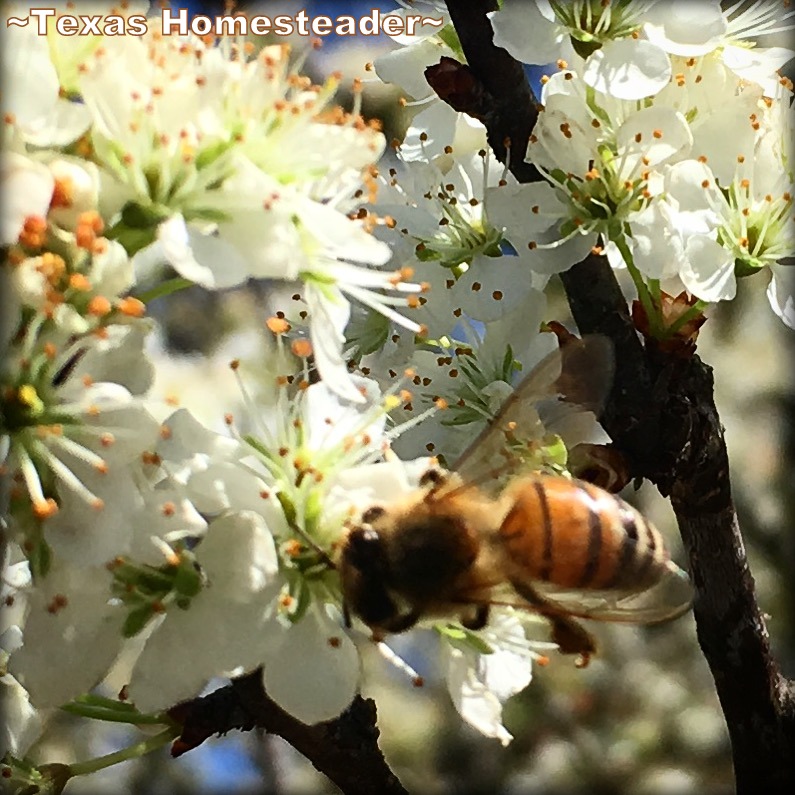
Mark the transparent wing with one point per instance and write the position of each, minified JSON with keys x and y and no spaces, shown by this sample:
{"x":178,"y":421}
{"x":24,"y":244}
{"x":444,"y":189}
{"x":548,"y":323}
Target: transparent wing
{"x":667,"y":599}
{"x":580,"y":372}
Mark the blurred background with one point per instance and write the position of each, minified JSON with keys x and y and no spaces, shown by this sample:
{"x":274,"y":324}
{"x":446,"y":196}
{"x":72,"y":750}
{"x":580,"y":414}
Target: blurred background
{"x":643,"y":718}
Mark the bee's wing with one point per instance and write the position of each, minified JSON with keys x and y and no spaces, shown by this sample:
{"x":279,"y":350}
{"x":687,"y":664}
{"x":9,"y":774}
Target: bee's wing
{"x":580,"y":372}
{"x":669,"y":598}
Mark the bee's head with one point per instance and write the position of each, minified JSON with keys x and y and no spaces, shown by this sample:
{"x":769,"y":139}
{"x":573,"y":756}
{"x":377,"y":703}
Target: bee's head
{"x":363,"y":573}
{"x":364,"y":550}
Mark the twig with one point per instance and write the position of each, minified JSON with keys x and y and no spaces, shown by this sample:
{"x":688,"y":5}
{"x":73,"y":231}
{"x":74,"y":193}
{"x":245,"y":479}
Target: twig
{"x":662,"y":417}
{"x":345,"y":749}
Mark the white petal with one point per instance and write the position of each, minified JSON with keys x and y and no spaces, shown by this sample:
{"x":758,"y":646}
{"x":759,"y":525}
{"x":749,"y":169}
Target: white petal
{"x":27,"y":188}
{"x":628,"y":69}
{"x":119,"y":357}
{"x":83,"y":636}
{"x":759,"y":64}
{"x":655,"y":134}
{"x":438,"y":122}
{"x":528,"y":35}
{"x":186,"y":437}
{"x":21,"y":722}
{"x":329,"y":313}
{"x":209,"y":261}
{"x":238,"y":555}
{"x":708,"y":272}
{"x":780,"y":293}
{"x":405,"y":66}
{"x":314,"y":672}
{"x":211,"y":638}
{"x":81,"y":532}
{"x":683,"y":27}
{"x":339,"y":236}
{"x":467,"y":681}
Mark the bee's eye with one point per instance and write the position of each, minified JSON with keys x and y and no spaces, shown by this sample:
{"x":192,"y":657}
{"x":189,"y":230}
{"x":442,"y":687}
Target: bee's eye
{"x":364,"y":548}
{"x":372,"y":514}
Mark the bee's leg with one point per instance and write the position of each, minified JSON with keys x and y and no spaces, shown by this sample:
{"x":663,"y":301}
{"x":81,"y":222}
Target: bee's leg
{"x":401,"y":622}
{"x":569,"y":634}
{"x":477,"y":618}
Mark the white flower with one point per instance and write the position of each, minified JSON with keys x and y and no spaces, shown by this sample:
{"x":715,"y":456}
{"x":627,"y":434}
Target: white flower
{"x":71,"y":441}
{"x":695,"y":29}
{"x":480,"y":684}
{"x":616,"y":61}
{"x":225,"y":623}
{"x":31,"y":98}
{"x":442,"y":213}
{"x":435,"y":126}
{"x":268,"y":594}
{"x":228,"y":204}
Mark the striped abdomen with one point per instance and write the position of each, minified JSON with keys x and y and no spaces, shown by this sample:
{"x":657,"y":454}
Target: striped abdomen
{"x":576,"y":535}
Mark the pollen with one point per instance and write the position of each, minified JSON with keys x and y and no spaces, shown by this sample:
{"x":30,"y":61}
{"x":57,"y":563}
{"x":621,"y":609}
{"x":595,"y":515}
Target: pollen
{"x":99,"y":306}
{"x":63,"y":193}
{"x":57,"y":603}
{"x":334,"y":642}
{"x":45,"y":509}
{"x":132,"y":307}
{"x":292,"y":548}
{"x":33,"y":232}
{"x":80,"y":282}
{"x":168,"y":508}
{"x":277,"y":325}
{"x":165,"y":432}
{"x":301,"y":348}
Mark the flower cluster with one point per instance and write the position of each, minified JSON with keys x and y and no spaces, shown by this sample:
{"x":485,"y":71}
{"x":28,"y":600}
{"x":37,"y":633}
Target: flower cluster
{"x":632,"y":144}
{"x":407,"y":298}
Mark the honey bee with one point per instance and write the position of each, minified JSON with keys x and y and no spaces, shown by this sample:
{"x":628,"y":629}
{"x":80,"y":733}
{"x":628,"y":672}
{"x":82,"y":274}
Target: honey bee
{"x":567,"y":549}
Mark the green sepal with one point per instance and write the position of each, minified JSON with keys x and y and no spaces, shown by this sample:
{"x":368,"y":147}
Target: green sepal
{"x":461,"y":637}
{"x":136,"y":620}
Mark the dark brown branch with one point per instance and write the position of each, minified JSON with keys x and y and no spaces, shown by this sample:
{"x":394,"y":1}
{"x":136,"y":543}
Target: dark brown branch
{"x":662,"y":417}
{"x":345,"y":749}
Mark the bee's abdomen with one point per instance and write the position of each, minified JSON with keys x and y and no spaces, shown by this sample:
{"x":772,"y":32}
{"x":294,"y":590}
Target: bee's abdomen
{"x":576,"y":535}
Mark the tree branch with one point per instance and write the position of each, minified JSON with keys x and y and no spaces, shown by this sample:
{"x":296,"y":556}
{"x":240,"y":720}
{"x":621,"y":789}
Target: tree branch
{"x":345,"y":749}
{"x":662,"y":417}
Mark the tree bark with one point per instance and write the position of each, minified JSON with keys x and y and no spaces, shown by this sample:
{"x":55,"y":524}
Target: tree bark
{"x":661,"y":416}
{"x":345,"y":749}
